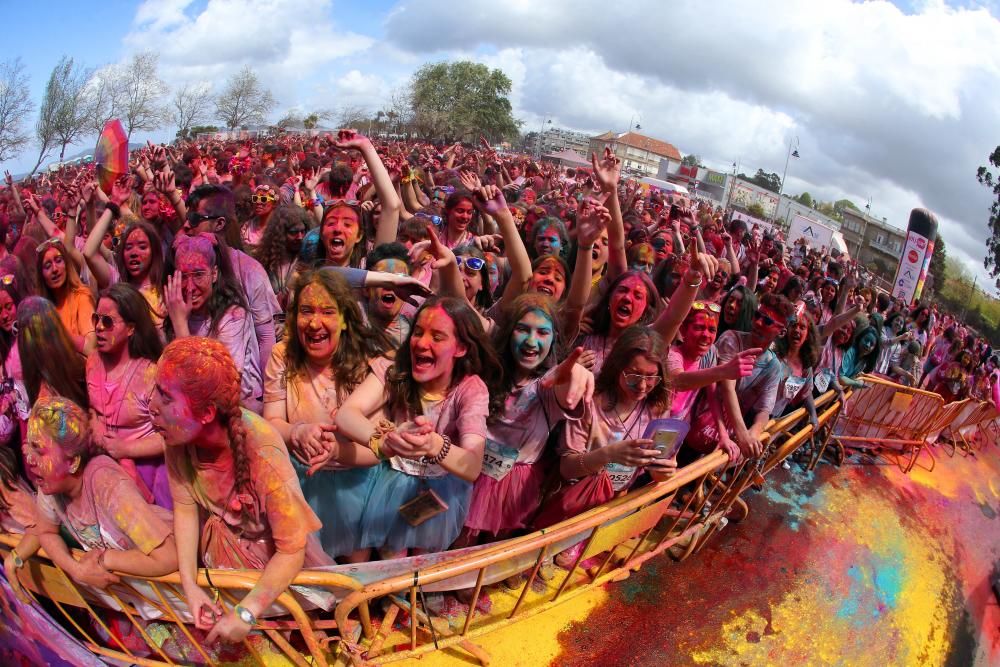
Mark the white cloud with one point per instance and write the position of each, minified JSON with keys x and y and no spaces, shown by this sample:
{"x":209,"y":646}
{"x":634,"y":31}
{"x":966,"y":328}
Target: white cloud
{"x":897,"y":107}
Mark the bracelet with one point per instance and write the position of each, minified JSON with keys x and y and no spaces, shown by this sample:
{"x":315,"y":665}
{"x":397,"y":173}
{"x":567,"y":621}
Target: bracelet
{"x":698,"y":284}
{"x":383,"y":428}
{"x":442,"y":453}
{"x":100,"y":558}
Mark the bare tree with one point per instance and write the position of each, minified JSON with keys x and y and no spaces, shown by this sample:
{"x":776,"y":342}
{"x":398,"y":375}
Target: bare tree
{"x":352,"y":115}
{"x":15,"y":105}
{"x":62,"y":118}
{"x":191,"y":104}
{"x":244,"y":101}
{"x":131,"y":91}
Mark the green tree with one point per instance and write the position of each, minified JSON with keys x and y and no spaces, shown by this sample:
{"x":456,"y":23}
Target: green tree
{"x":938,"y":261}
{"x":462,"y":100}
{"x":841,"y":204}
{"x":986,"y":177}
{"x":756,"y":210}
{"x":805,"y":199}
{"x":768,"y":181}
{"x":691,"y":160}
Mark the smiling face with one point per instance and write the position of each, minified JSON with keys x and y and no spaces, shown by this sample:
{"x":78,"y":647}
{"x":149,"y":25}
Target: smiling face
{"x":434,"y":346}
{"x":198,"y":278}
{"x":263,"y":208}
{"x":460,"y":217}
{"x":8,"y":311}
{"x":46,"y":463}
{"x":318,"y":324}
{"x":111,"y":340}
{"x":472,"y":280}
{"x":663,"y":245}
{"x":843,"y":334}
{"x":341,"y":231}
{"x":640,"y":376}
{"x":138,"y":254}
{"x":173,"y":416}
{"x":867,"y":342}
{"x":628,"y":302}
{"x":548,"y":242}
{"x":53,"y":269}
{"x":383,"y":302}
{"x":531,"y":340}
{"x":699,"y":333}
{"x":827,"y":292}
{"x":548,"y":278}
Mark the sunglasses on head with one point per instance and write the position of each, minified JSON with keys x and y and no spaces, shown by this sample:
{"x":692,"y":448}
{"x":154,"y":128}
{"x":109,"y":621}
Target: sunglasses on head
{"x":261,"y":199}
{"x":104,"y":321}
{"x":659,"y":243}
{"x":41,"y":247}
{"x":436,"y":220}
{"x":474,"y":263}
{"x":706,"y":305}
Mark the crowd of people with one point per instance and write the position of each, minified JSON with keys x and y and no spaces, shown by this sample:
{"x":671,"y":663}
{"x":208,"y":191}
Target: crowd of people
{"x":288,"y":353}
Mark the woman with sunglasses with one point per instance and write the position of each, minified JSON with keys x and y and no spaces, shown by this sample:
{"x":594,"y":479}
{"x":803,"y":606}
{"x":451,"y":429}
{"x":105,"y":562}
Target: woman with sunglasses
{"x":120,"y":387}
{"x":265,"y":201}
{"x":60,"y":283}
{"x":749,"y":401}
{"x":204,"y":299}
{"x":603,"y":453}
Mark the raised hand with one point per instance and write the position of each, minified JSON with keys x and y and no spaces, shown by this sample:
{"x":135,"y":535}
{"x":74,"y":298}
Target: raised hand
{"x":591,"y":221}
{"x":470,"y":180}
{"x":442,"y":254}
{"x":8,"y":179}
{"x":163,"y":181}
{"x":607,"y":171}
{"x":571,"y":380}
{"x":178,"y":307}
{"x":703,"y":266}
{"x":348,"y":138}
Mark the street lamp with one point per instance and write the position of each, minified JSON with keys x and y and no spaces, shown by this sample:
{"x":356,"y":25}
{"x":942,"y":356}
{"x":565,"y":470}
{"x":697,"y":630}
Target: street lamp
{"x":541,"y":131}
{"x":793,"y":150}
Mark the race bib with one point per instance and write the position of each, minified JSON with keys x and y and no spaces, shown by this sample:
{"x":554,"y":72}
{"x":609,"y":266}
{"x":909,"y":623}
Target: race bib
{"x":822,"y":381}
{"x":498,"y":460}
{"x":620,"y":475}
{"x":416,"y":468}
{"x":793,"y":386}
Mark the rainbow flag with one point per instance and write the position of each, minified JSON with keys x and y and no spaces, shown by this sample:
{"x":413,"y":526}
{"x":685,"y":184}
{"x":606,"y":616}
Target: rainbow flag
{"x":111,"y":154}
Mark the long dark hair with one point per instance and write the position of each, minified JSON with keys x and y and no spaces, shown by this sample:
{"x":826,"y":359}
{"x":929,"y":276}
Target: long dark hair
{"x":744,"y":320}
{"x":602,"y":311}
{"x":359,"y":342}
{"x":634,"y":341}
{"x":360,"y":248}
{"x":484,"y":299}
{"x":47,"y":352}
{"x":145,"y":341}
{"x":156,"y":263}
{"x":9,"y":284}
{"x":522,"y":305}
{"x":273,"y":250}
{"x":480,"y":359}
{"x":72,"y":275}
{"x":227,"y":290}
{"x":810,"y":351}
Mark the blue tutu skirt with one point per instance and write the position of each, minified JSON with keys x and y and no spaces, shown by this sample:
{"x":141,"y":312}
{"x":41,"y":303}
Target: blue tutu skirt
{"x":383,"y":526}
{"x":338,"y":497}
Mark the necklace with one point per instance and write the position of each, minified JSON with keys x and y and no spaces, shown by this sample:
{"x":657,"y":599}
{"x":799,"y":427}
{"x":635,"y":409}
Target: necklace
{"x":628,"y":429}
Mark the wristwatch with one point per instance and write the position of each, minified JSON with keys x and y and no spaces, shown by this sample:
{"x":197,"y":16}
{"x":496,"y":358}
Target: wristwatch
{"x":18,"y":563}
{"x":246,"y":615}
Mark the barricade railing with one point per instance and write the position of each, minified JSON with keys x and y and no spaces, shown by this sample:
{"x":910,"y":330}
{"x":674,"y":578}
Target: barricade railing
{"x":680,"y":514}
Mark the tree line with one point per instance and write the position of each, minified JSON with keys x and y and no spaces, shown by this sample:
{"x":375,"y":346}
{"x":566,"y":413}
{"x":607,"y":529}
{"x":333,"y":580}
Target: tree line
{"x":456,"y":101}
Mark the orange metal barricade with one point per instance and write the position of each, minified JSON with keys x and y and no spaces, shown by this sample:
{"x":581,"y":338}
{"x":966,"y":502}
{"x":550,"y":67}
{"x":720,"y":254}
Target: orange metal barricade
{"x":680,"y":515}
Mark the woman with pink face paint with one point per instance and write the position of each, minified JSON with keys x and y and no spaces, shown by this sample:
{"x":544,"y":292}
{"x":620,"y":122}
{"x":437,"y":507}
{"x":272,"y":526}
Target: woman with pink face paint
{"x":14,"y":404}
{"x":231,"y":467}
{"x":204,"y":299}
{"x":120,"y":387}
{"x":430,"y":450}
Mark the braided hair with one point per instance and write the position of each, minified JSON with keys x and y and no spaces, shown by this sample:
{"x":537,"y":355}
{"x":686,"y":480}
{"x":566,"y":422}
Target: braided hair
{"x":208,"y":376}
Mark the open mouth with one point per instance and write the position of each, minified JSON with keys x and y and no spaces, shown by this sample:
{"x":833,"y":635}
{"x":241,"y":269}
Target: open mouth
{"x":624,"y":311}
{"x":530,"y":354}
{"x":388,"y":299}
{"x":337,"y":244}
{"x":545,"y":289}
{"x":595,"y":253}
{"x":317,"y":338}
{"x":423,"y":361}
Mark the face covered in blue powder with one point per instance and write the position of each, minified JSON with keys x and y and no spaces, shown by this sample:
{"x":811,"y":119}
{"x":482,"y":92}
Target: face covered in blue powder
{"x":532,"y":339}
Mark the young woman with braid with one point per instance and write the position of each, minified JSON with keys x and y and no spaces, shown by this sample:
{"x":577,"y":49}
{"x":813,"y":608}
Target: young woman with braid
{"x":231,"y":466}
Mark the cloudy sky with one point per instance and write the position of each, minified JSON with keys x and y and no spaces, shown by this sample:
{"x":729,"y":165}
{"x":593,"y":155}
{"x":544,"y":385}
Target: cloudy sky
{"x":888,"y":101}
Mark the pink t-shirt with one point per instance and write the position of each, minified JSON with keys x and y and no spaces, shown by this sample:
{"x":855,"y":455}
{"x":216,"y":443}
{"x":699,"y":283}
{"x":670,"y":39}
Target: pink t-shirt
{"x":530,"y":413}
{"x":462,"y":412}
{"x":122,"y":406}
{"x":682,"y":402}
{"x":236,"y":332}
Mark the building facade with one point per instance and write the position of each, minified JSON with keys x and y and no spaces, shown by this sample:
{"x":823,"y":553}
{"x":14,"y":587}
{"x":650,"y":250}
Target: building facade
{"x":640,"y":155}
{"x":872,"y":240}
{"x":558,"y":139}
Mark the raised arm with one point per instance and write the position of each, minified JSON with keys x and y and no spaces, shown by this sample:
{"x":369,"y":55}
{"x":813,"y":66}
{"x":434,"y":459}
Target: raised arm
{"x":607,"y":172}
{"x":388,"y":222}
{"x":592,"y":219}
{"x":702,"y":269}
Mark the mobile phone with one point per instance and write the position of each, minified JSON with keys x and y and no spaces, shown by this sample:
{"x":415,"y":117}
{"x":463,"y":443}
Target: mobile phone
{"x":667,"y":436}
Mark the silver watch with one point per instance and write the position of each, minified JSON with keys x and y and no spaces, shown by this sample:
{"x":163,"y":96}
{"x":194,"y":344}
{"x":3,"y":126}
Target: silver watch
{"x":246,"y":615}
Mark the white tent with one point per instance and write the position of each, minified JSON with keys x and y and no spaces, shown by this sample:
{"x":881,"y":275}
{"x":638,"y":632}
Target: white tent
{"x":664,"y":185}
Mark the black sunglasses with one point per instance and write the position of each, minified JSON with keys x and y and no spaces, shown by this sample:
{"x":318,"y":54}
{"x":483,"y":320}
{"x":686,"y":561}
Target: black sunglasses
{"x":105,"y":321}
{"x":766,"y":319}
{"x":197,"y":218}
